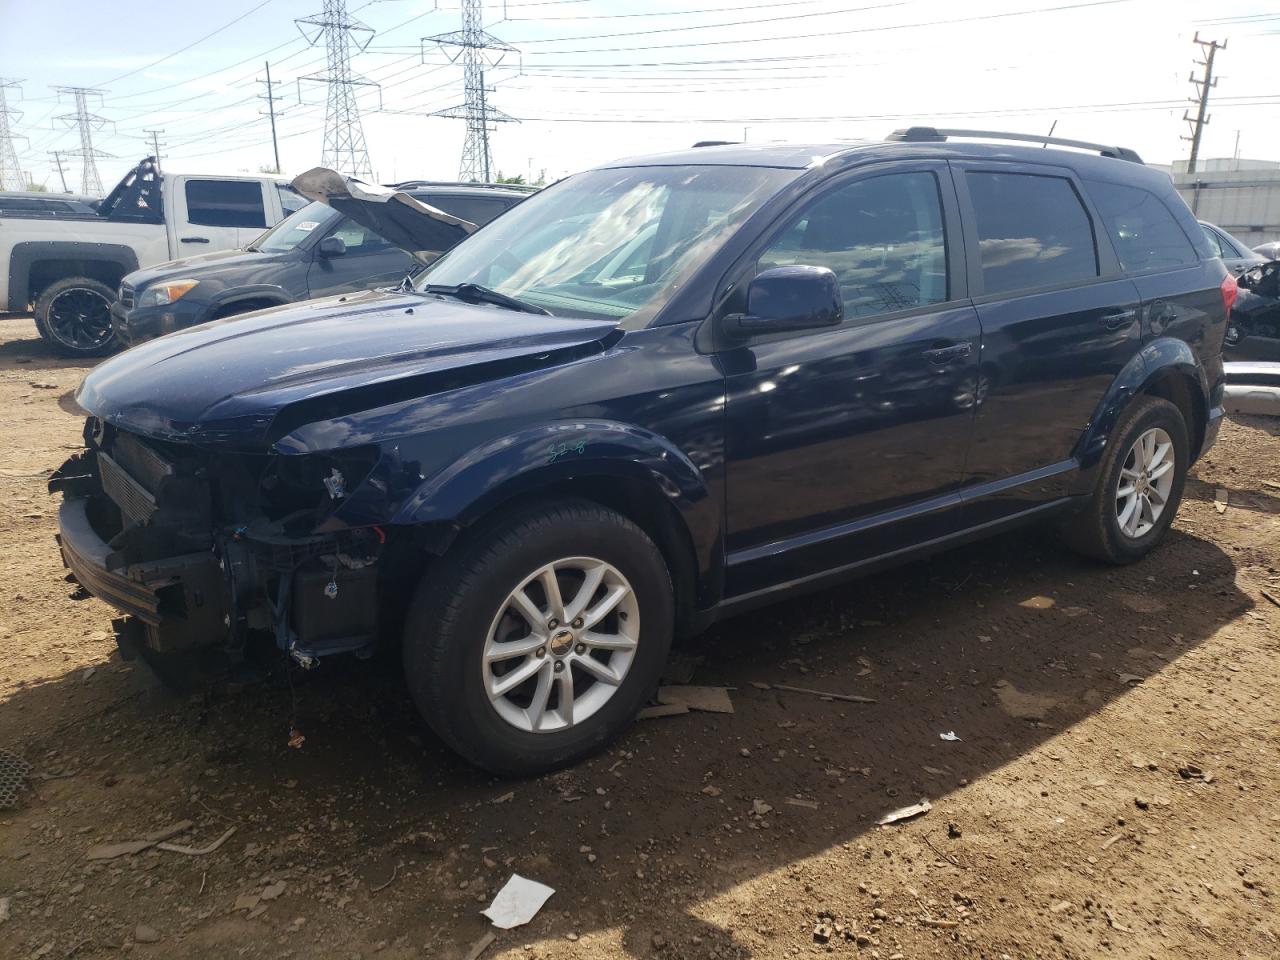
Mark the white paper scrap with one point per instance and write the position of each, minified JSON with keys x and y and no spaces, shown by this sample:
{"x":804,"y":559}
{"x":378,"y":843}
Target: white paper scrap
{"x":517,"y":902}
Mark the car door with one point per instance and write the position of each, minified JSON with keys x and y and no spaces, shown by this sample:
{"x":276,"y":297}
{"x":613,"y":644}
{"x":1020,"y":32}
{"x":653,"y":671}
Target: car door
{"x":846,"y":443}
{"x":218,"y":214}
{"x":367,"y":261}
{"x":1059,"y":321}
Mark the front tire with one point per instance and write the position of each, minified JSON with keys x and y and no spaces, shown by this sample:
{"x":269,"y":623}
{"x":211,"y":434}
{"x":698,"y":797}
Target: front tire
{"x":532,"y":645}
{"x":1140,"y":483}
{"x":74,"y":317}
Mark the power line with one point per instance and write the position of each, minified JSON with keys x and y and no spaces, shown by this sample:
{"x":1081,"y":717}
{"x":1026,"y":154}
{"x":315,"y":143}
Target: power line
{"x":344,"y":144}
{"x":1203,"y":85}
{"x":473,"y":43}
{"x":11,"y":175}
{"x":86,"y":122}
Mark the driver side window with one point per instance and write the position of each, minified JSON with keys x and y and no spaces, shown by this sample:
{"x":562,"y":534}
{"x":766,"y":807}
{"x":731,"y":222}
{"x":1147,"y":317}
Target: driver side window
{"x":359,"y":239}
{"x":882,"y":237}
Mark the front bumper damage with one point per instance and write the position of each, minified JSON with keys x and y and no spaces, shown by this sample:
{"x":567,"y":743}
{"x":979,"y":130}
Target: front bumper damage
{"x":177,"y":540}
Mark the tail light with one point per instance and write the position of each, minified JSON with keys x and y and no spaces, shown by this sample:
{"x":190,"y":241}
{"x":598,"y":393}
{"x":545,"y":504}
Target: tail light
{"x":1230,"y":290}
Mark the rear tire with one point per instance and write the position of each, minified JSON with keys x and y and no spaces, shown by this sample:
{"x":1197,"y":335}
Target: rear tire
{"x":493,"y":595}
{"x":74,"y":317}
{"x":1139,"y":487}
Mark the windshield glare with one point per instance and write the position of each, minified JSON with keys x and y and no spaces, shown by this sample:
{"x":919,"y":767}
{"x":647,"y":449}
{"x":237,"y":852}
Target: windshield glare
{"x":610,"y":244}
{"x":295,"y":228}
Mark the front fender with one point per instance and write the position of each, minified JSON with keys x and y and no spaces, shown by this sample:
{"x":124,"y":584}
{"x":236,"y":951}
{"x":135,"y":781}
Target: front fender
{"x":1157,"y":359}
{"x":256,"y":291}
{"x":542,"y":455}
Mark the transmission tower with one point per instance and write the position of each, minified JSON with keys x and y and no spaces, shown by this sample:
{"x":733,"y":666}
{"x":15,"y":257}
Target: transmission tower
{"x":86,"y":122}
{"x":11,"y":175}
{"x":344,"y":146}
{"x":1203,"y":85}
{"x":472,"y":45}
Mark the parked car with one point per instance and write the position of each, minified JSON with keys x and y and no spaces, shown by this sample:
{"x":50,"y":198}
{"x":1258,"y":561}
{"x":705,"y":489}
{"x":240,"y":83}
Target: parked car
{"x":315,"y":252}
{"x":1233,"y":252}
{"x":38,"y":203}
{"x":1254,"y":331}
{"x":1268,"y":251}
{"x":67,"y":268}
{"x":652,"y":395}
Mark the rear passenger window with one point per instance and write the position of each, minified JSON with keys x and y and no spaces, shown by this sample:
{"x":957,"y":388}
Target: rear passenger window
{"x":1145,"y":234}
{"x":1214,"y":243}
{"x":479,"y":210}
{"x":225,"y":203}
{"x":1033,"y":231}
{"x":881,"y":237}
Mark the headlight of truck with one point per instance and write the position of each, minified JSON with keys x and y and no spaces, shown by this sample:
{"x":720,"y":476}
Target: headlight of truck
{"x":163,"y":293}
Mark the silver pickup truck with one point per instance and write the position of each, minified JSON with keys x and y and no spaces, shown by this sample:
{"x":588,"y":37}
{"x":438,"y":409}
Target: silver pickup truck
{"x":68,"y":268}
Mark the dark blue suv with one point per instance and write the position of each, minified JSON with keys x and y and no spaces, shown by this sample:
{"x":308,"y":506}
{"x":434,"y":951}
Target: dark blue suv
{"x":652,"y":395}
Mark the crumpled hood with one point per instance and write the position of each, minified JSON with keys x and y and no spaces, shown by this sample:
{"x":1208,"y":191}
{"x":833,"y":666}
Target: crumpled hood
{"x":200,"y":267}
{"x":226,"y":382}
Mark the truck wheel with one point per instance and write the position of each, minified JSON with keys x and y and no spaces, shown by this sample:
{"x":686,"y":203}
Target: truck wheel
{"x":533,"y":645}
{"x":74,"y":316}
{"x":1139,"y":486}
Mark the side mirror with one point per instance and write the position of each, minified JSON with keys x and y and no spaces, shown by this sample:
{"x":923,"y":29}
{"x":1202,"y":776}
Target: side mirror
{"x":332,"y":247}
{"x":789,"y":298}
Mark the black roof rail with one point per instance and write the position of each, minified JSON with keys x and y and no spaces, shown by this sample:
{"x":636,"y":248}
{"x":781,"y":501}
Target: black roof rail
{"x":934,"y":135}
{"x":714,"y":143}
{"x":415,"y":184}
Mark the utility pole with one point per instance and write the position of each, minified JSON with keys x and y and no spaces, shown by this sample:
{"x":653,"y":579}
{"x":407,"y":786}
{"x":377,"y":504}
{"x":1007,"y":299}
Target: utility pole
{"x":1203,"y":85}
{"x":271,"y":98}
{"x":86,"y":122}
{"x":155,"y":144}
{"x":62,"y":175}
{"x":472,"y":45}
{"x":344,"y":144}
{"x":11,"y":175}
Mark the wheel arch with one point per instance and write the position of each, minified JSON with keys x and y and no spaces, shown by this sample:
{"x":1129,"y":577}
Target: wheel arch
{"x":35,"y":265}
{"x":629,"y":470}
{"x":1165,"y":368}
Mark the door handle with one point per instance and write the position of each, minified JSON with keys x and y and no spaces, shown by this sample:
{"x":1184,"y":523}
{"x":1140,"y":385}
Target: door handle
{"x":955,"y":351}
{"x":195,"y":240}
{"x":1118,"y":320}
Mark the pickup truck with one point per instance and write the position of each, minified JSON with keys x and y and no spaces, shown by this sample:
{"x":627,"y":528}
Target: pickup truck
{"x":69,"y":268}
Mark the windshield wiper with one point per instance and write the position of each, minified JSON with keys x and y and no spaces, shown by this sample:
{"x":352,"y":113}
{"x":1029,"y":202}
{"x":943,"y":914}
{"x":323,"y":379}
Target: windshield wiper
{"x":476,"y":293}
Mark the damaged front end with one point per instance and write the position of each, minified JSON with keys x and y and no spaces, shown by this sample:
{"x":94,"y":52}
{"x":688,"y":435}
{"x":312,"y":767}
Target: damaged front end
{"x":203,"y":550}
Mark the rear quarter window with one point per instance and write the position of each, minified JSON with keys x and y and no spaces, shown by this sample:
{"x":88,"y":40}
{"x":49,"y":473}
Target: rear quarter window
{"x":1143,"y":230}
{"x":1033,"y":231}
{"x":479,"y":210}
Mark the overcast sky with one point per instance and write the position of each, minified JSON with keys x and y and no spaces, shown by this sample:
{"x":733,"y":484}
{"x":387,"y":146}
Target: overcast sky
{"x":598,"y":79}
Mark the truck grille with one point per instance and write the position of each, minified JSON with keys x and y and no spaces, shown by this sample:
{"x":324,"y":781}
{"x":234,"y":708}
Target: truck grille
{"x":126,"y":296}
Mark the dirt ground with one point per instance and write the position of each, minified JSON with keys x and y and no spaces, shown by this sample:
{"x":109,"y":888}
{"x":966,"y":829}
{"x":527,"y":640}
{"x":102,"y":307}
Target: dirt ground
{"x":1114,"y":791}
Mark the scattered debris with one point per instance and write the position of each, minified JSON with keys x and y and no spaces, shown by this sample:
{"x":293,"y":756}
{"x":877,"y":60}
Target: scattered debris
{"x":953,"y":830}
{"x":1130,"y":677}
{"x":711,"y":791}
{"x":822,"y":932}
{"x":760,"y":808}
{"x":43,"y":385}
{"x":1061,"y":906}
{"x":944,"y":924}
{"x":1189,"y":771}
{"x":127,"y":848}
{"x":4,"y":908}
{"x":845,"y":697}
{"x":480,"y":946}
{"x":13,"y":774}
{"x":1107,"y":844}
{"x":761,"y":685}
{"x":661,"y":710}
{"x":197,"y":851}
{"x":1220,"y":497}
{"x":509,"y":795}
{"x":1023,"y":706}
{"x":706,"y":699}
{"x":1271,"y":597}
{"x":1037,"y":603}
{"x":273,"y":891}
{"x":517,"y":902}
{"x":797,"y":802}
{"x":145,"y":934}
{"x":395,"y":868}
{"x":905,"y":813}
{"x":296,"y":739}
{"x":949,"y":736}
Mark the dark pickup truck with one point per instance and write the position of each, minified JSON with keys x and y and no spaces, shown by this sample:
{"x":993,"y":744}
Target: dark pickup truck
{"x":650,"y":396}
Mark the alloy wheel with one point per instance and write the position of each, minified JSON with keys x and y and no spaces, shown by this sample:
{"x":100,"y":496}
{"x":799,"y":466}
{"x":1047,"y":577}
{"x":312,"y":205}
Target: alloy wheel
{"x":561,"y":644}
{"x":80,"y":318}
{"x":1146,"y":480}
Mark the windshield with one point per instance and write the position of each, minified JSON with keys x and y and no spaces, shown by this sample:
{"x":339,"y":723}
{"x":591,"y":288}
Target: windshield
{"x":295,"y":228}
{"x":609,"y":244}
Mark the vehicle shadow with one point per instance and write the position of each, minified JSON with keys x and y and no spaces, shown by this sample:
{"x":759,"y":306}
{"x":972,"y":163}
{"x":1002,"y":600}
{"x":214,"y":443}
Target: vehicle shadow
{"x":33,"y":352}
{"x":1256,"y":500}
{"x":1007,"y":643}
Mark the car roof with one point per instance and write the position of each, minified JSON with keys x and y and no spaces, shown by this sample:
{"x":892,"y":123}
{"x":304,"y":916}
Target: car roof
{"x":45,"y":195}
{"x":836,"y":154}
